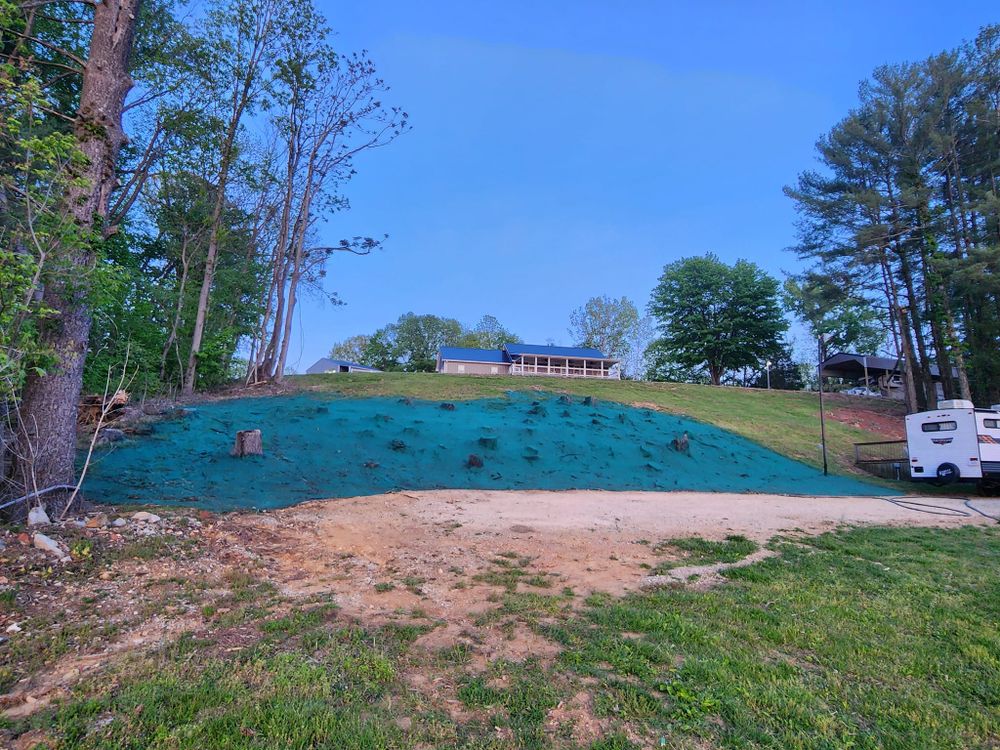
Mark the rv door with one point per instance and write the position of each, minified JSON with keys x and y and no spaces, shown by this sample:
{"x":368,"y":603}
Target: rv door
{"x":988,"y":429}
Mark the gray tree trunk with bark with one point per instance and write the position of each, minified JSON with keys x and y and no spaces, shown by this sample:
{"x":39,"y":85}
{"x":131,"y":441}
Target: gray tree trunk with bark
{"x":46,"y":446}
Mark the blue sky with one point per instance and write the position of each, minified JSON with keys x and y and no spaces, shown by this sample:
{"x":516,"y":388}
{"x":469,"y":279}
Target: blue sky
{"x":562,"y":150}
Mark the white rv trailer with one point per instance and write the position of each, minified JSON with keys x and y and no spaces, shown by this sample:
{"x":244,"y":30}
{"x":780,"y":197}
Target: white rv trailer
{"x":954,"y":443}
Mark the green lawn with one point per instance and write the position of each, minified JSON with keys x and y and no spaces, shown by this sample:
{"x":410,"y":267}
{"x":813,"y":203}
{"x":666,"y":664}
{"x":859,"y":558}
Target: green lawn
{"x":785,"y":421}
{"x":864,"y":638}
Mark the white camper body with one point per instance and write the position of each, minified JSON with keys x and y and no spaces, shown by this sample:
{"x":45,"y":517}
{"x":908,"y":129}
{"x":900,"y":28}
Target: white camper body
{"x":955,"y":442}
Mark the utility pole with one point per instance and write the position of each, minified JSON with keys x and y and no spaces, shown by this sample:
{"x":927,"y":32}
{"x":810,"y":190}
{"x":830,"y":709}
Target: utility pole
{"x":822,"y":417}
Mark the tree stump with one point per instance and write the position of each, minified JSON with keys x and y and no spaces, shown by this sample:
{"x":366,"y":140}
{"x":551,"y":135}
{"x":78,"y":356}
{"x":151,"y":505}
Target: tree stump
{"x":248,"y":443}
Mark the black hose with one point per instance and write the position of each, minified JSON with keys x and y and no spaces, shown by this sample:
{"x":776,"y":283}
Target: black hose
{"x":904,"y":501}
{"x":921,"y":507}
{"x":968,"y":504}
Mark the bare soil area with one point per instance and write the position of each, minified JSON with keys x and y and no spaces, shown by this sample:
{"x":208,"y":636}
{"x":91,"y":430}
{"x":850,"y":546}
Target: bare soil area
{"x":890,"y":425}
{"x":438,"y":557}
{"x":385,"y":555}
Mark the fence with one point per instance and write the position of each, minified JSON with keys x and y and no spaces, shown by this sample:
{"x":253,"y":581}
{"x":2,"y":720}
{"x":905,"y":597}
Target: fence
{"x":888,"y":459}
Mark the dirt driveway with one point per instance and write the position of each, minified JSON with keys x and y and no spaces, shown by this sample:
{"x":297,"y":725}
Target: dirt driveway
{"x":434,"y":553}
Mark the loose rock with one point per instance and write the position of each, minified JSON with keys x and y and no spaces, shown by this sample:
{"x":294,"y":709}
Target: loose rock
{"x":109,"y":435}
{"x":97,"y":522}
{"x":145,"y":517}
{"x":119,"y":522}
{"x":47,"y":544}
{"x":38,"y":516}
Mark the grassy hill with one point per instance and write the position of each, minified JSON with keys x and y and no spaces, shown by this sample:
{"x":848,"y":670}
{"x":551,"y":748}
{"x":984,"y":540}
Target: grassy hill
{"x":785,"y":421}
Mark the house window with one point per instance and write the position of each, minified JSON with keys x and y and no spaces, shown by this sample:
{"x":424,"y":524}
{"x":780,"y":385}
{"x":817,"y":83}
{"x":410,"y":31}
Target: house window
{"x":461,"y":368}
{"x":496,"y":370}
{"x":939,"y":426}
{"x":991,"y":424}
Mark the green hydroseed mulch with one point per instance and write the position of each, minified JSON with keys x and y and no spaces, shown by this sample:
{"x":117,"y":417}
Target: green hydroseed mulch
{"x":321,"y":446}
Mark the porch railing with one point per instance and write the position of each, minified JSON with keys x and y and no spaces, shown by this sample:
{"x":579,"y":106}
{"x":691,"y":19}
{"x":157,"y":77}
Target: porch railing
{"x":565,"y":372}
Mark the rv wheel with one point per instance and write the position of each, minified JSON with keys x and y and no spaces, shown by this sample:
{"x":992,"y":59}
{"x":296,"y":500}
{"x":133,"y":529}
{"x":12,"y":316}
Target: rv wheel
{"x":946,"y":474}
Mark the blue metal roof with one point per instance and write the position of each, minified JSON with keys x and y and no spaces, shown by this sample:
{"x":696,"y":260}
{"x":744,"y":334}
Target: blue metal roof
{"x":466,"y":354}
{"x":516,"y":350}
{"x":326,"y":364}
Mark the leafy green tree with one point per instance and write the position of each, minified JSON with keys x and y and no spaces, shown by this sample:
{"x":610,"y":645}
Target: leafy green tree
{"x":661,"y":365}
{"x":488,"y":333}
{"x":380,"y":351}
{"x":351,"y":349}
{"x":717,"y":316}
{"x":786,"y":374}
{"x":609,"y":325}
{"x":417,"y":338}
{"x":850,"y":323}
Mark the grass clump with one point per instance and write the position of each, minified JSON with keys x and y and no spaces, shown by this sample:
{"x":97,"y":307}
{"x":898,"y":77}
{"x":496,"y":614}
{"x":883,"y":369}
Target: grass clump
{"x":522,"y":701}
{"x":698,"y":551}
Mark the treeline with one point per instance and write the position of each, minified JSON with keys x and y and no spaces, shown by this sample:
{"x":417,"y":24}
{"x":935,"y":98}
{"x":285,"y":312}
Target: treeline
{"x":163,"y":183}
{"x":903,"y":221}
{"x":707,"y":322}
{"x":411,"y":344}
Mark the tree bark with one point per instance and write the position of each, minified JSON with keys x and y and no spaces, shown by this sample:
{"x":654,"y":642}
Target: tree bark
{"x":248,"y":443}
{"x":909,"y":379}
{"x":46,"y":449}
{"x":178,"y":309}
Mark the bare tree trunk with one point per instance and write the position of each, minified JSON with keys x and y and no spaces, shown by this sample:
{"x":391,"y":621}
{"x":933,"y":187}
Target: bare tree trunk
{"x":185,"y":265}
{"x":299,"y":245}
{"x":259,"y":40}
{"x":46,"y":450}
{"x":271,"y":350}
{"x":909,"y":381}
{"x":211,"y":258}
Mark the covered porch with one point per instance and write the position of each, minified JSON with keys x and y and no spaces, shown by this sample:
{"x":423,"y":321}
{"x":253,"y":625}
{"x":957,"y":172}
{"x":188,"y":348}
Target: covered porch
{"x":565,"y":367}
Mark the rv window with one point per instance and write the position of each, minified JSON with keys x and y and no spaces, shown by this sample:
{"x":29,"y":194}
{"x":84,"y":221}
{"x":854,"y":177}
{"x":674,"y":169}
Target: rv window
{"x":991,"y":424}
{"x":939,"y":426}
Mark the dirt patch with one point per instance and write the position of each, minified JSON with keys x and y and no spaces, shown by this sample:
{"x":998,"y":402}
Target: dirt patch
{"x":448,"y":560}
{"x":423,"y":552}
{"x":884,"y":423}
